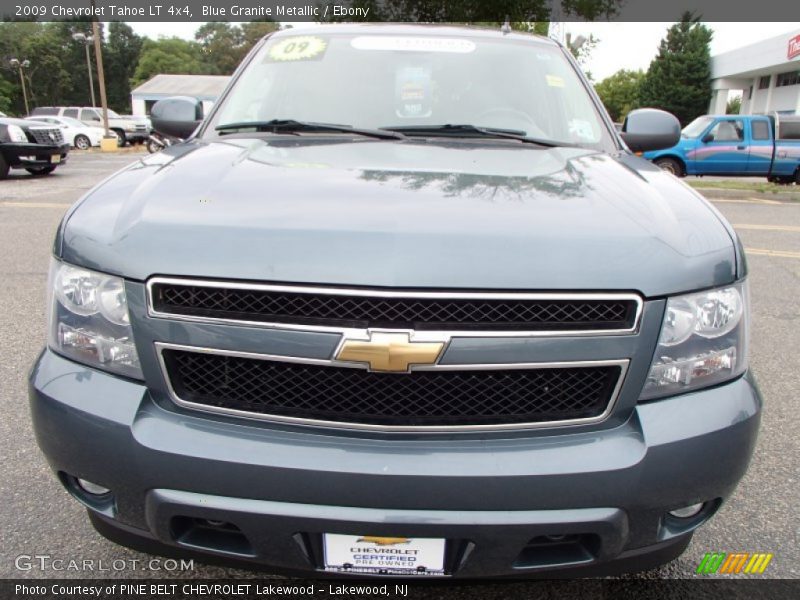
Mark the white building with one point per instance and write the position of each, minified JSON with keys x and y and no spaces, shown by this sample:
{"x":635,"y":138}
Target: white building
{"x":205,"y":88}
{"x":767,"y":73}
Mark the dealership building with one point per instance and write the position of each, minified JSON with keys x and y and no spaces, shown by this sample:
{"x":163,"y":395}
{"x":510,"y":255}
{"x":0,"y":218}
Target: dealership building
{"x":767,"y":73}
{"x":205,"y":88}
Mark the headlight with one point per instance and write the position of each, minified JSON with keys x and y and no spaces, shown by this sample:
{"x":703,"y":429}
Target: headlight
{"x":16,"y":134}
{"x":89,"y":320}
{"x":703,"y":341}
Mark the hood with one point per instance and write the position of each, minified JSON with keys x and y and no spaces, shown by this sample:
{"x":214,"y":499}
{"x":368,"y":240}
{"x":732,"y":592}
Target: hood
{"x":416,"y":214}
{"x":24,"y":123}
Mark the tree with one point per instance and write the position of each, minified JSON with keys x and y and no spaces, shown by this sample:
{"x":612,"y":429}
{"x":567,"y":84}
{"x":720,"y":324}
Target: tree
{"x":121,"y":55}
{"x":734,"y":106}
{"x":221,"y":45}
{"x":253,"y":31}
{"x":679,"y":77}
{"x":620,"y":92}
{"x":168,"y":55}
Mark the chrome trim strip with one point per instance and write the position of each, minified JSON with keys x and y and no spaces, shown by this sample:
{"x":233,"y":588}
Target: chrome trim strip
{"x":371,"y":293}
{"x":621,"y":363}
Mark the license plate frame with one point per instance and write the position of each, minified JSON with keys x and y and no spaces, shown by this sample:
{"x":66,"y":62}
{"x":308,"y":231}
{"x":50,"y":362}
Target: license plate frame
{"x":55,"y":159}
{"x":380,"y":555}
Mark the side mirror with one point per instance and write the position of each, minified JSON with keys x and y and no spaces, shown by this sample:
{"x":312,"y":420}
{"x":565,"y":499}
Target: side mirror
{"x":650,"y":129}
{"x":709,"y":137}
{"x":177,"y":117}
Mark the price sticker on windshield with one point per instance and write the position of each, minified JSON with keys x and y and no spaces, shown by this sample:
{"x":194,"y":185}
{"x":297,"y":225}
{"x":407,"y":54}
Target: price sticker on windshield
{"x":303,"y":47}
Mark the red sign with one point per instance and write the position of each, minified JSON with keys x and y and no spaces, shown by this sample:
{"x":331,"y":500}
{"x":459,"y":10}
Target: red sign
{"x":794,"y":47}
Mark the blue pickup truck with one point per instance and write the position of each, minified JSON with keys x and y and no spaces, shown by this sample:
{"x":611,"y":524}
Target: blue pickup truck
{"x":736,"y":145}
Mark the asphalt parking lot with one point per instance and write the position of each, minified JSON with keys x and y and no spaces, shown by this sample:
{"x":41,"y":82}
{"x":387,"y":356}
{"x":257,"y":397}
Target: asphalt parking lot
{"x":41,"y":519}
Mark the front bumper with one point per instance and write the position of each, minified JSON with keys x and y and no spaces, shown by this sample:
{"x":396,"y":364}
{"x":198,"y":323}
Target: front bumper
{"x":24,"y":155}
{"x":491,"y":497}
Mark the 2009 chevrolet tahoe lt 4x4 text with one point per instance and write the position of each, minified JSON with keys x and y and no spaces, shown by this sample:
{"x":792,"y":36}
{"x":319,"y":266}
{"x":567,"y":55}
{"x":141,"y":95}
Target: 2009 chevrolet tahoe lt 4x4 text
{"x":404,"y":303}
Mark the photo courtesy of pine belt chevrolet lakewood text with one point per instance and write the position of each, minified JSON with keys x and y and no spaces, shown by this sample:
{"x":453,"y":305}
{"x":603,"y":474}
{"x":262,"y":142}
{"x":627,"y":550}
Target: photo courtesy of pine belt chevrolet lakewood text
{"x":392,"y":309}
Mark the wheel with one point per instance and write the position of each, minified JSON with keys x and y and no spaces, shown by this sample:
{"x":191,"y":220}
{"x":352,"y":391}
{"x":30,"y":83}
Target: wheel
{"x":41,"y":170}
{"x":797,"y":177}
{"x":121,"y":139}
{"x":3,"y":167}
{"x":82,"y":142}
{"x":670,"y":165}
{"x":153,"y":146}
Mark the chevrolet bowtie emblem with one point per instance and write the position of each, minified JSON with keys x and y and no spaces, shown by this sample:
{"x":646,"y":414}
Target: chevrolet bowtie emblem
{"x":390,"y":352}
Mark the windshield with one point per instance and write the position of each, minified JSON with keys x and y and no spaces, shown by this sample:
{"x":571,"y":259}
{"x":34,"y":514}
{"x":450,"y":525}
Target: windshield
{"x":696,"y":127}
{"x":398,"y":81}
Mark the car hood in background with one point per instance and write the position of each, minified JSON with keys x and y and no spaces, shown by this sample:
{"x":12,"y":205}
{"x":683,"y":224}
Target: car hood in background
{"x":414,"y":214}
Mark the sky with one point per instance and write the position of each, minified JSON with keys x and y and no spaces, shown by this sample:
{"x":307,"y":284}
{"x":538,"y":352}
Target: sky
{"x":621,"y":46}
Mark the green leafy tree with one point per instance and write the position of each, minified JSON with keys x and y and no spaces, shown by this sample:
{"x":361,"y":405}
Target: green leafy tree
{"x":679,"y":77}
{"x":620,"y":92}
{"x":221,"y":45}
{"x":169,"y":55}
{"x":734,"y":106}
{"x":253,"y":31}
{"x":6,"y":92}
{"x":224,"y":45}
{"x":121,"y":55}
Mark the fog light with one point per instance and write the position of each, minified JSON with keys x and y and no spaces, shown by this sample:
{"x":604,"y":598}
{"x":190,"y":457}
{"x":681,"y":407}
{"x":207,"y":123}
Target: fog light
{"x":687,"y":511}
{"x":92,"y":488}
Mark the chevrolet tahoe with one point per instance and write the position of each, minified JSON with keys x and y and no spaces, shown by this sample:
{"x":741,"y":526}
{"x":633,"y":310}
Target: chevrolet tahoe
{"x":404,"y":303}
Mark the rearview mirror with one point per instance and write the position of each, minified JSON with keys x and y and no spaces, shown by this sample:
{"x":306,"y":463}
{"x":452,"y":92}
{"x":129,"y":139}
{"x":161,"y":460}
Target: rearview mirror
{"x":650,"y":129}
{"x":177,"y":116}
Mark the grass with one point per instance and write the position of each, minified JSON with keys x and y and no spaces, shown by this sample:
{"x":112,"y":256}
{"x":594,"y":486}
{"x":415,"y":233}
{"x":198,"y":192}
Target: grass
{"x":748,"y":186}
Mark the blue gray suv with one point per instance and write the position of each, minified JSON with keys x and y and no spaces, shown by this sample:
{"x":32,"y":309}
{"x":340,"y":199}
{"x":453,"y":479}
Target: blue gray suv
{"x":403,"y":303}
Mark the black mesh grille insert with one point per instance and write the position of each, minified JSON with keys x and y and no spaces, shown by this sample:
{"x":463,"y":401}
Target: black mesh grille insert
{"x":421,"y":398}
{"x":392,"y":312}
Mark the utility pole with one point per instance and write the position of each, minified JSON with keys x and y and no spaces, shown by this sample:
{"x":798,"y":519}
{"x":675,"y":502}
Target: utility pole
{"x":87,"y":40}
{"x":101,"y":77}
{"x":19,"y":65}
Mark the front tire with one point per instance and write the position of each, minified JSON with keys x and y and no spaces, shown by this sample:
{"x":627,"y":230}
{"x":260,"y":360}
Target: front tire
{"x":153,"y":146}
{"x":4,"y":168}
{"x":41,"y":170}
{"x":121,"y":139}
{"x":82,"y":142}
{"x":670,"y":165}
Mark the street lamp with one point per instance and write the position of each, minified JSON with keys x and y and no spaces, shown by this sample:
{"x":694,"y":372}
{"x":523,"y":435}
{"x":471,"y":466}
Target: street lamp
{"x":86,"y":40}
{"x":19,"y":65}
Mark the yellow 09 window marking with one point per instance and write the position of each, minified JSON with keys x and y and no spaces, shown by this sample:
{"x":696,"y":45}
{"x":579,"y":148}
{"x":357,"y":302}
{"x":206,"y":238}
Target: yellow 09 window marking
{"x":300,"y":47}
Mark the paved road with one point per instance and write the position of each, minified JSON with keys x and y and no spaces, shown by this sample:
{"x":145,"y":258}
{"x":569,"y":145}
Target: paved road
{"x":40,"y":518}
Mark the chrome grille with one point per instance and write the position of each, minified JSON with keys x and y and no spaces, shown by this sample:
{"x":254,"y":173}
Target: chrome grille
{"x":47,"y":135}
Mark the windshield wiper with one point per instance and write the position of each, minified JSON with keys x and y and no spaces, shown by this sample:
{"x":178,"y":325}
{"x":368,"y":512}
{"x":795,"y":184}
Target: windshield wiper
{"x":472,"y":131}
{"x":293,"y":126}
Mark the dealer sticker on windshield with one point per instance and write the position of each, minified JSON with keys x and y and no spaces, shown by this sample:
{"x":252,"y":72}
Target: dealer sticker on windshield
{"x":384,"y":555}
{"x":301,"y":47}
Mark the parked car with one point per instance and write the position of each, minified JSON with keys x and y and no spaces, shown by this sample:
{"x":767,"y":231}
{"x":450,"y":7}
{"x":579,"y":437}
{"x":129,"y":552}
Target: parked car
{"x":80,"y":135}
{"x":126,"y":130}
{"x":736,"y":146}
{"x":394,"y":310}
{"x":141,"y":119}
{"x":38,"y":149}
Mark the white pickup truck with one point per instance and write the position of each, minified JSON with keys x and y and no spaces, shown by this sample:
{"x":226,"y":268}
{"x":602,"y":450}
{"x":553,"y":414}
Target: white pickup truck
{"x":126,"y":128}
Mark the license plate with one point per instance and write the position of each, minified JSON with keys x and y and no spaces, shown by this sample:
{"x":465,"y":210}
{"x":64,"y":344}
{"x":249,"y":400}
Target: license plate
{"x":55,"y":159}
{"x":383,"y":555}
